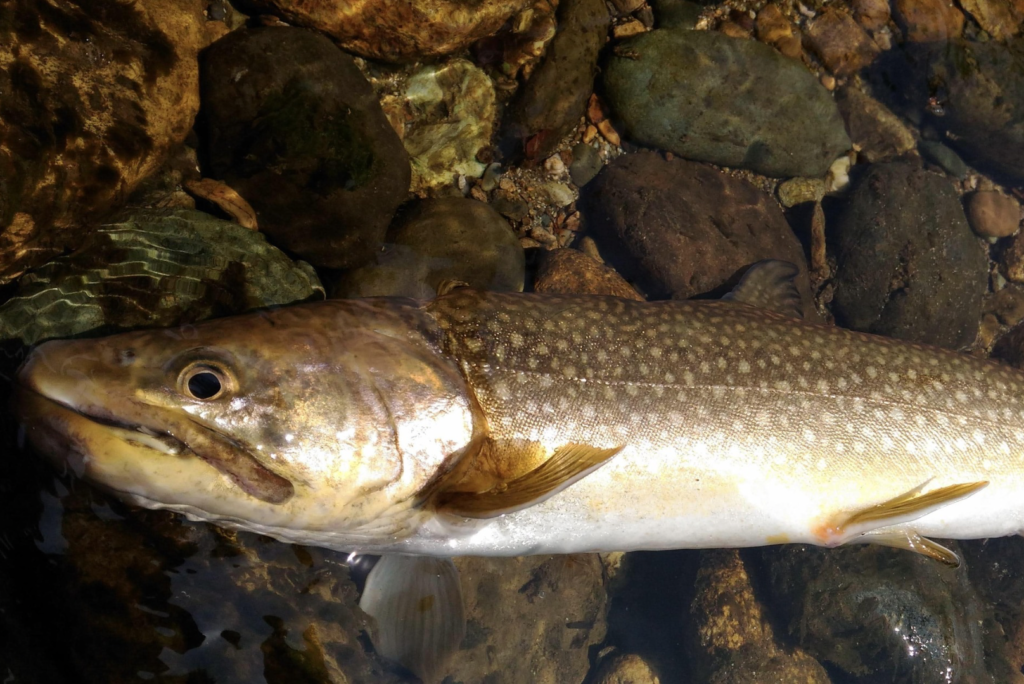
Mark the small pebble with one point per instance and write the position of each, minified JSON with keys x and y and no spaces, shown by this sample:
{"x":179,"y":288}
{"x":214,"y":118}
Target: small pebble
{"x":838,"y":177}
{"x":589,"y":134}
{"x":492,"y":175}
{"x":799,"y":190}
{"x":629,"y":28}
{"x":828,"y":81}
{"x":585,"y":165}
{"x":557,"y":194}
{"x":992,"y":214}
{"x":554,"y":166}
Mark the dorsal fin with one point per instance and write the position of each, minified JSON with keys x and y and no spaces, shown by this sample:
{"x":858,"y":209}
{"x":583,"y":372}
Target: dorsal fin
{"x":770,"y":284}
{"x":567,"y":465}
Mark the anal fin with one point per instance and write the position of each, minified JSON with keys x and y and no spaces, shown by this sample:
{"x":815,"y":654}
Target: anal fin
{"x":567,"y":465}
{"x":900,"y":509}
{"x":911,"y":541}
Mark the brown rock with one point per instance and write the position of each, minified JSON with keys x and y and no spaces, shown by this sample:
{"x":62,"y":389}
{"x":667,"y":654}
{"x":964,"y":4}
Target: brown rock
{"x":879,"y":133}
{"x":735,"y":641}
{"x":993,"y":214}
{"x":530,"y":619}
{"x":871,"y":14}
{"x":1001,"y":18}
{"x":840,"y":43}
{"x":734,"y":30}
{"x":398,"y":30}
{"x":929,"y":21}
{"x":1011,"y":260}
{"x":627,"y":6}
{"x":773,"y":28}
{"x":566,"y":271}
{"x":90,"y":103}
{"x":679,"y":228}
{"x":625,"y":669}
{"x":1007,"y":305}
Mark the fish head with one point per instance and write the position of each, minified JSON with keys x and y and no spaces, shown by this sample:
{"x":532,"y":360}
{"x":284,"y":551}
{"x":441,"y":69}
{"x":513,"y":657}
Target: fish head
{"x":329,"y":418}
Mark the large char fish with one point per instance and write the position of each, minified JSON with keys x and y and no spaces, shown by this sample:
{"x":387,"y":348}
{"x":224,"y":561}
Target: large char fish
{"x":509,"y":424}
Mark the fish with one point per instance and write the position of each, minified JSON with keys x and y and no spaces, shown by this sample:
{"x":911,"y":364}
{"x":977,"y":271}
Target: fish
{"x":508,"y":424}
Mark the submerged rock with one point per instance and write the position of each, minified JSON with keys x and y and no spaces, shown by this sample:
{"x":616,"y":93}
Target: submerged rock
{"x":437,"y":240}
{"x":924,"y":275}
{"x":399,"y":30}
{"x":726,"y":101}
{"x":92,"y":101}
{"x":678,"y":228}
{"x":154,"y":268}
{"x":566,"y":271}
{"x":293,"y":126}
{"x":452,"y":111}
{"x":876,"y":614}
{"x":552,"y":101}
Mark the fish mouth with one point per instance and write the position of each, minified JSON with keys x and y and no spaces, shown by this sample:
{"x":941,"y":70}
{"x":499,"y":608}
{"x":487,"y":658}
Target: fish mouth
{"x":69,"y":435}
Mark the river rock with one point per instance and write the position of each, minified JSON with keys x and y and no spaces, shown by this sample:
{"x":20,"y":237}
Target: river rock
{"x":1000,"y":18}
{"x":398,"y":30}
{"x":702,"y":96}
{"x":451,"y":115}
{"x":873,"y":128}
{"x":871,"y":14}
{"x":993,"y":214}
{"x":530,"y":619}
{"x":992,"y":567}
{"x":943,"y":157}
{"x":552,"y":101}
{"x":437,"y":240}
{"x":586,"y":163}
{"x":93,"y":101}
{"x":567,"y":271}
{"x":678,"y":228}
{"x":929,"y":21}
{"x":154,"y":268}
{"x":625,"y":669}
{"x":776,"y":30}
{"x":874,"y":614}
{"x":971,"y":91}
{"x":734,"y":642}
{"x":840,"y":43}
{"x":924,"y":275}
{"x":292,"y":125}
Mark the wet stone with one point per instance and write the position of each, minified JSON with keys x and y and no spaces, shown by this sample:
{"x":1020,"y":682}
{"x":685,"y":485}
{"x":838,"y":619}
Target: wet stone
{"x":567,"y":271}
{"x":172,"y":267}
{"x":586,"y":163}
{"x":1001,"y":19}
{"x":530,"y":619}
{"x":451,"y":110}
{"x":678,"y":228}
{"x":800,"y":190}
{"x":439,"y":240}
{"x":625,"y":669}
{"x":926,"y":272}
{"x":734,"y":640}
{"x":1007,"y":304}
{"x":929,"y":21}
{"x":681,"y":14}
{"x":993,"y":214}
{"x":840,"y":43}
{"x":295,"y":129}
{"x":398,"y":30}
{"x":550,"y":104}
{"x":871,"y":14}
{"x":873,"y":128}
{"x":92,"y":102}
{"x":1011,"y":258}
{"x":776,"y":30}
{"x":874,"y":614}
{"x":701,"y":95}
{"x":943,"y":157}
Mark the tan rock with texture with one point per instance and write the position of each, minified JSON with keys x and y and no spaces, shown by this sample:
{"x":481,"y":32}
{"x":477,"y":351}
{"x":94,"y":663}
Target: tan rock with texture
{"x":91,"y":106}
{"x":993,"y":214}
{"x":840,"y":43}
{"x":929,"y":21}
{"x":398,"y":30}
{"x":566,"y":271}
{"x":871,"y":14}
{"x":625,"y":669}
{"x":773,"y":28}
{"x":1000,"y":18}
{"x":874,"y":129}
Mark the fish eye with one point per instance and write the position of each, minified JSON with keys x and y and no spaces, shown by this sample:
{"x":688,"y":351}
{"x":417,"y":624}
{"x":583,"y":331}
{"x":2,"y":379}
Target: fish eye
{"x":203,"y":381}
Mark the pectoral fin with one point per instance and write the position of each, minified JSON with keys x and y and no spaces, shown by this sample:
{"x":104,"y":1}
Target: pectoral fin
{"x":417,"y":602}
{"x":860,"y":526}
{"x":567,"y":465}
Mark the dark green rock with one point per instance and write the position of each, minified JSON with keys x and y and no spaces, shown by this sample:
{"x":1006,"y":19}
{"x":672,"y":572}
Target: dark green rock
{"x":875,"y":614}
{"x":586,"y":163}
{"x":740,"y":103}
{"x":295,"y":128}
{"x":908,"y":264}
{"x":551,"y":103}
{"x":943,"y":157}
{"x":153,"y":268}
{"x":450,"y":238}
